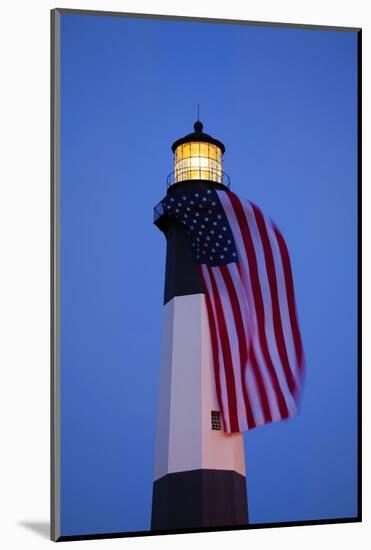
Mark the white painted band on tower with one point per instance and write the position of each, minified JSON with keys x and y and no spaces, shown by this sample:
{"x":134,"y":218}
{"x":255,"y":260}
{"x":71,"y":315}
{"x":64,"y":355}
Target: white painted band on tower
{"x":187,"y":397}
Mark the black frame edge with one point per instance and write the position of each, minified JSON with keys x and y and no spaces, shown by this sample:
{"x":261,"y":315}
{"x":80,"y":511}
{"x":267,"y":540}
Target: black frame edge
{"x":359,"y":264}
{"x":54,"y":275}
{"x":308,"y":26}
{"x":130,"y":534}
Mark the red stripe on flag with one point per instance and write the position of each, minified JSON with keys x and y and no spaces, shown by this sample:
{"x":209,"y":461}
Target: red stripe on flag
{"x":227,"y":356}
{"x":290,"y":298}
{"x":214,"y":345}
{"x":261,"y":387}
{"x":258,"y":299}
{"x":242,"y":340}
{"x":277,"y":323}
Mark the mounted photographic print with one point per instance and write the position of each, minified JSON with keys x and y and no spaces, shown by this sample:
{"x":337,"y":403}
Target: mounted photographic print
{"x":205,"y":301}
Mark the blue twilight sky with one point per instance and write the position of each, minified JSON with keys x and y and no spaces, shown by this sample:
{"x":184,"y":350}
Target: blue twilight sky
{"x":284,"y":103}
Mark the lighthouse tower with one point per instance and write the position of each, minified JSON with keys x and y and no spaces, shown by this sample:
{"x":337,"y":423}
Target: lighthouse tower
{"x":199,"y":477}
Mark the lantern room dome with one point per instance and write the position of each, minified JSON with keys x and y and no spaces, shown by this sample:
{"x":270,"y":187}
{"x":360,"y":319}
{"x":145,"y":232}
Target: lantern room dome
{"x":198,"y":135}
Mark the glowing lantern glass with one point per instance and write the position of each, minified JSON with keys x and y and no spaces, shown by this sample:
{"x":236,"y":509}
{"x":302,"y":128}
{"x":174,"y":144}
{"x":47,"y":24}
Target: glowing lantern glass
{"x":198,"y":156}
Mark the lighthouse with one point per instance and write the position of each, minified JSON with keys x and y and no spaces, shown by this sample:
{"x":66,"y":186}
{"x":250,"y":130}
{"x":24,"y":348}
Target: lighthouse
{"x":200,"y":477}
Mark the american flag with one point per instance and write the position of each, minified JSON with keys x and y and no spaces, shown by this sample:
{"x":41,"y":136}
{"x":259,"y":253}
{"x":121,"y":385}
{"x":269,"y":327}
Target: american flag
{"x":246,"y":274}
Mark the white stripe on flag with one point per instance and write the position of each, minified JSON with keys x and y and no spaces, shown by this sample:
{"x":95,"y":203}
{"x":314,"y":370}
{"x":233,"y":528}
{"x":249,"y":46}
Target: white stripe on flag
{"x":223,"y":383}
{"x":268,"y":308}
{"x":236,"y":230}
{"x":234,"y":345}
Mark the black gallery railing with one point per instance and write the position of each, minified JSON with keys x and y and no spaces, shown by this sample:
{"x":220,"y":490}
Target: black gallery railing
{"x":186,"y":174}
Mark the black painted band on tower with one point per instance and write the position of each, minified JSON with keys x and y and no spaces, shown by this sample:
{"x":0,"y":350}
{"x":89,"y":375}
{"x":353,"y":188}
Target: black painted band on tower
{"x":199,"y":498}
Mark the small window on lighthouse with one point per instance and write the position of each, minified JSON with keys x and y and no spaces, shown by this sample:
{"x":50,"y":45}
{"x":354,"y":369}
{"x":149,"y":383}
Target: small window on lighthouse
{"x":216,"y":422}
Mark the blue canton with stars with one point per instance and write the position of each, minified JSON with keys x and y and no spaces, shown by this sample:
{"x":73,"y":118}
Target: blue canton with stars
{"x":204,"y":218}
